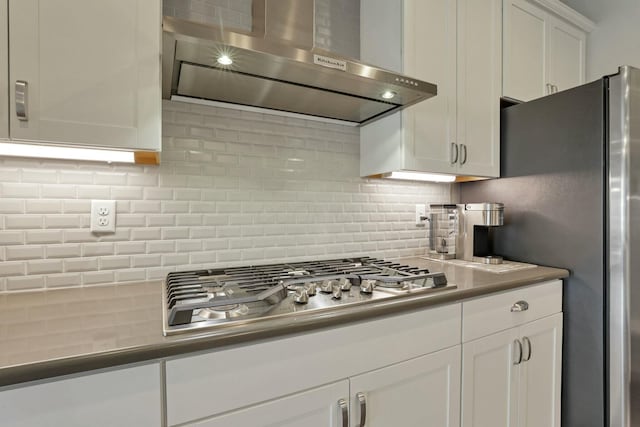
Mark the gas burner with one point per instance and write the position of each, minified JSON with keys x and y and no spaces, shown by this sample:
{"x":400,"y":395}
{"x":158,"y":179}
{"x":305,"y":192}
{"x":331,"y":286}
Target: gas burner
{"x":222,"y":312}
{"x":207,"y":298}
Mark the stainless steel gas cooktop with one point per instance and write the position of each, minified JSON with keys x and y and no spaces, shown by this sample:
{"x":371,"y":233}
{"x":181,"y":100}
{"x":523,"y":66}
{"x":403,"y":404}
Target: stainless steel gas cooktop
{"x":204,"y":299}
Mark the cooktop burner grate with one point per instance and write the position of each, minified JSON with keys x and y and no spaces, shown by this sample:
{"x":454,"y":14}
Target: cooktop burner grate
{"x":211,"y":293}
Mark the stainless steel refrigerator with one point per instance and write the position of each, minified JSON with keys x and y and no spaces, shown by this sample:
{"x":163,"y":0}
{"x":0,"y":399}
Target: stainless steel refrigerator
{"x":570,"y":164}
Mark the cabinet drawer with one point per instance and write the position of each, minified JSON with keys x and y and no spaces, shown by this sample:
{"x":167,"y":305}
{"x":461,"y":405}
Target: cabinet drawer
{"x":493,"y":313}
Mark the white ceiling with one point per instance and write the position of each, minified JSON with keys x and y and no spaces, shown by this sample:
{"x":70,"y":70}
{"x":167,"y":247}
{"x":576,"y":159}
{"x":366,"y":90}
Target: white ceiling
{"x":592,"y":9}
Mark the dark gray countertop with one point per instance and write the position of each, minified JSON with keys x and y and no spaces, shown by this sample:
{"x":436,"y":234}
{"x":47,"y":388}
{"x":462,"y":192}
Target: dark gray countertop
{"x":49,"y":333}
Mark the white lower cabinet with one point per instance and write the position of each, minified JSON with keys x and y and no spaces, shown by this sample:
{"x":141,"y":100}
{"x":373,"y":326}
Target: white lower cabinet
{"x":541,"y":373}
{"x":421,"y":392}
{"x":489,"y":381}
{"x":406,"y":366}
{"x":512,"y":378}
{"x":123,"y":397}
{"x":325,"y":406}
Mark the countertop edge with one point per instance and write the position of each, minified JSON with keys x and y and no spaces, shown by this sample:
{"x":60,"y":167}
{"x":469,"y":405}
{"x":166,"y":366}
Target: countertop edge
{"x":17,"y":374}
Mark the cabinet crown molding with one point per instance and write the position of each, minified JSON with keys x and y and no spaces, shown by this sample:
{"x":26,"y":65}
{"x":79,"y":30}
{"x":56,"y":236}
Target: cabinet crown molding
{"x":568,"y":14}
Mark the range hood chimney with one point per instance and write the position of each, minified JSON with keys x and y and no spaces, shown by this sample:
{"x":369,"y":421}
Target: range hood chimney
{"x":277,"y":66}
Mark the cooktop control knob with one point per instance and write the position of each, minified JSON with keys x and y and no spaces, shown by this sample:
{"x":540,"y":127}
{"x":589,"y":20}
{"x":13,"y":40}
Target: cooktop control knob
{"x":345,"y":284}
{"x":327,"y":286}
{"x":301,"y":296}
{"x":367,"y":286}
{"x":336,"y":292}
{"x":311,"y":288}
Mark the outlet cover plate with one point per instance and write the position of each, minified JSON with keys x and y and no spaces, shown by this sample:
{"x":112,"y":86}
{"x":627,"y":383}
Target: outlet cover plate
{"x":103,"y":216}
{"x":421,"y":211}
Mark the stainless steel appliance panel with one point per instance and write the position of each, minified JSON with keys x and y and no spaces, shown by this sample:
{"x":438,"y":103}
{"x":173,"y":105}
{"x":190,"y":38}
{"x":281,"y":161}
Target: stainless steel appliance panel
{"x":624,"y":244}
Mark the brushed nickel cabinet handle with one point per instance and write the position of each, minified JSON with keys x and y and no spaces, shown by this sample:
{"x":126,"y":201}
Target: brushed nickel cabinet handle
{"x":519,"y":307}
{"x":463,"y":158}
{"x":22,"y":96}
{"x":344,"y":412}
{"x":454,"y":159}
{"x":362,"y":400}
{"x":527,"y":344}
{"x":517,"y":344}
{"x":549,"y":88}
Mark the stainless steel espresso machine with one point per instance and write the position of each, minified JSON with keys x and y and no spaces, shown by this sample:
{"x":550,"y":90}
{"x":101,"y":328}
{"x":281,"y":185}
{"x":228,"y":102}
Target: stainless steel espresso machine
{"x":476,"y":231}
{"x":464,"y":231}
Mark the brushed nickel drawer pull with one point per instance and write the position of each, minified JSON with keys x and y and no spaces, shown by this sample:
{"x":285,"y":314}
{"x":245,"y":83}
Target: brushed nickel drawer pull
{"x":519,"y":307}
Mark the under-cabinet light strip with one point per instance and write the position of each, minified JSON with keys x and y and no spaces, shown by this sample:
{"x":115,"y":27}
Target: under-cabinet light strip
{"x":419,"y":176}
{"x":67,"y":153}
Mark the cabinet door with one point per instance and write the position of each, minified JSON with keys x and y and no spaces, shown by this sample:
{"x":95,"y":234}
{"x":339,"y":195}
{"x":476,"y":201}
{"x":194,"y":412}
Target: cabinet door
{"x":319,"y":407}
{"x":430,"y":55}
{"x":567,"y":55}
{"x":541,"y":373}
{"x":525,"y":51}
{"x":479,"y":86}
{"x":4,"y":67}
{"x":420,"y":392}
{"x":124,"y":397}
{"x":490,"y":381}
{"x":92,"y":69}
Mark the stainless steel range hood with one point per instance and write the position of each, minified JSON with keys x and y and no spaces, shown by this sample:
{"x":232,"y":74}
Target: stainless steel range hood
{"x":277,"y":67}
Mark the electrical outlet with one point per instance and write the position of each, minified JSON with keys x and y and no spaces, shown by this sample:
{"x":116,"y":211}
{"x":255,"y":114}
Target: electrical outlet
{"x":103,"y":216}
{"x":421,"y":211}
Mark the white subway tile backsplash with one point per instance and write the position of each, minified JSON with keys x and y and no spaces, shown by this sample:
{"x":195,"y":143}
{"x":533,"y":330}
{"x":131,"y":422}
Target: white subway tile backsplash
{"x":23,"y":222}
{"x":97,"y":249}
{"x":20,"y":190}
{"x":94,"y":192}
{"x":114,"y":262}
{"x":63,"y":280}
{"x":61,"y":221}
{"x":44,"y":266}
{"x":146,"y":234}
{"x":233,"y":187}
{"x":131,"y":275}
{"x":44,"y":236}
{"x":98,"y":277}
{"x":130,"y":248}
{"x":63,"y":251}
{"x":80,"y":264}
{"x":25,"y":283}
{"x":15,"y":268}
{"x":12,"y":238}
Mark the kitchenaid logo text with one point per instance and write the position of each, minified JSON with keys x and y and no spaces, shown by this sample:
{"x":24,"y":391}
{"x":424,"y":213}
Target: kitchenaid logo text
{"x":325,"y":61}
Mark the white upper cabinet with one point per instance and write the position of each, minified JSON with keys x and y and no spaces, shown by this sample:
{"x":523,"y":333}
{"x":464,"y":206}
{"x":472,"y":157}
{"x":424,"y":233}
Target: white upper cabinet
{"x":91,"y":69}
{"x":479,"y":87}
{"x":457,"y":46}
{"x":544,"y":48}
{"x":4,"y":67}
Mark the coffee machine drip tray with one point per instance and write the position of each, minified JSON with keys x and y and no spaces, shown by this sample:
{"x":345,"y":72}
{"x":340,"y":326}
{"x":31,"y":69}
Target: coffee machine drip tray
{"x":505,"y":267}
